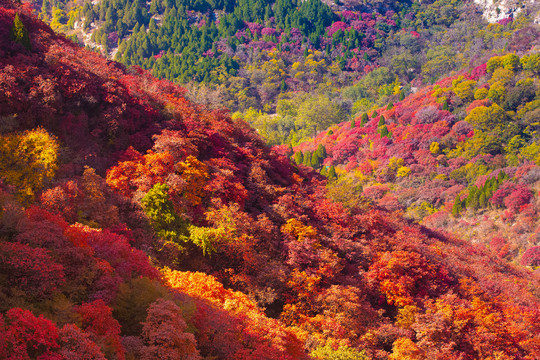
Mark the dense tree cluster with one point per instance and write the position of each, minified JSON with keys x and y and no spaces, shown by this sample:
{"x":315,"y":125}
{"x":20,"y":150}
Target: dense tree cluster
{"x":157,"y":228}
{"x":273,"y":61}
{"x":466,"y":147}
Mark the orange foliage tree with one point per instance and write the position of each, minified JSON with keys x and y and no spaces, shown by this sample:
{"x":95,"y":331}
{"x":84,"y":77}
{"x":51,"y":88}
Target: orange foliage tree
{"x":257,"y":335}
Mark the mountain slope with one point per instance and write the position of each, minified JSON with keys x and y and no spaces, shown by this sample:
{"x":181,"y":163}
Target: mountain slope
{"x":154,"y":218}
{"x":459,"y":155}
{"x":263,"y":58}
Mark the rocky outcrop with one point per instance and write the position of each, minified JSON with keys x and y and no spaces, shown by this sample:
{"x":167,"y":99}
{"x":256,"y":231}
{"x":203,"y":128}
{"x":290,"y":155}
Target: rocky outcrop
{"x":497,"y":10}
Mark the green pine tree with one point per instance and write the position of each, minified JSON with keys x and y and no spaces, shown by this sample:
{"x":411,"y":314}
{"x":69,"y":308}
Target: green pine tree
{"x":353,"y":124}
{"x":365,"y":119}
{"x":473,"y":200}
{"x":482,"y":200}
{"x":19,"y":33}
{"x":401,"y":96}
{"x":457,"y":208}
{"x":501,"y":177}
{"x":316,"y":160}
{"x":384,"y":131}
{"x":283,"y":87}
{"x":382,"y":121}
{"x":390,"y":106}
{"x":307,"y":158}
{"x":290,"y":151}
{"x":321,"y":151}
{"x":332,"y":173}
{"x":494,"y":186}
{"x":299,"y":157}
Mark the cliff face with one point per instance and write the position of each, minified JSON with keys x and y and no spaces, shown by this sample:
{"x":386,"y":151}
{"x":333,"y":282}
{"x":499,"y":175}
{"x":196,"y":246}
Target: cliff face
{"x":494,"y":10}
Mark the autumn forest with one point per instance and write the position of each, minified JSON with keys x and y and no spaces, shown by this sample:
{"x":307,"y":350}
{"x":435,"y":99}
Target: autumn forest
{"x":234,"y":179}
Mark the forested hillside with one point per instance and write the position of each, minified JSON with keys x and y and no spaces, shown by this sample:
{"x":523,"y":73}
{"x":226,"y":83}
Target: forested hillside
{"x":273,"y":61}
{"x":460,"y":155}
{"x":138,"y":224}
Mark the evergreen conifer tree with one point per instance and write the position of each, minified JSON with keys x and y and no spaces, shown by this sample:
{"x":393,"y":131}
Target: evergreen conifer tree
{"x":299,"y":157}
{"x":501,"y":177}
{"x":332,"y":173}
{"x":307,"y":158}
{"x":365,"y":119}
{"x":290,"y":151}
{"x":482,"y":200}
{"x":494,"y":186}
{"x":457,"y":208}
{"x":283,"y":87}
{"x":321,"y":151}
{"x":316,"y":160}
{"x":384,"y":132}
{"x":19,"y":33}
{"x":473,"y":199}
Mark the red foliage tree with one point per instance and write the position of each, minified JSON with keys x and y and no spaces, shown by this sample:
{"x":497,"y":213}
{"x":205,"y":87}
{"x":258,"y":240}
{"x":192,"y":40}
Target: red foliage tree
{"x":115,"y":249}
{"x":531,"y":257}
{"x":31,"y":270}
{"x":104,"y":330}
{"x":24,"y":336}
{"x":520,"y":196}
{"x":403,"y":276}
{"x":165,"y":334}
{"x":77,"y":344}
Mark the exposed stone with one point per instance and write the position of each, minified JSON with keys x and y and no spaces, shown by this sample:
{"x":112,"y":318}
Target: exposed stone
{"x":497,"y":10}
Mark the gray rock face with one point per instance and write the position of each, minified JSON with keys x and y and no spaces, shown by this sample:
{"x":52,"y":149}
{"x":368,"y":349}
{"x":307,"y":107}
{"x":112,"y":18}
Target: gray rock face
{"x":496,"y":10}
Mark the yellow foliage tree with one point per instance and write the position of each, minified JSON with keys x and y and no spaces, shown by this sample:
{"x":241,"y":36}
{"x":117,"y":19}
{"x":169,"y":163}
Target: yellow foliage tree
{"x":494,"y":63}
{"x":403,"y":171}
{"x":531,"y":152}
{"x":531,"y":62}
{"x":465,"y":89}
{"x":509,"y":61}
{"x":502,"y":75}
{"x":480,"y":94}
{"x":434,"y":147}
{"x":28,"y":161}
{"x":395,"y":163}
{"x":300,"y":231}
{"x":406,"y":316}
{"x":486,"y":118}
{"x":497,"y":92}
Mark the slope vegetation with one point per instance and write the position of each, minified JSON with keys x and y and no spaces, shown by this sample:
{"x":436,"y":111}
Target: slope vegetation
{"x":461,"y":155}
{"x":137,"y":224}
